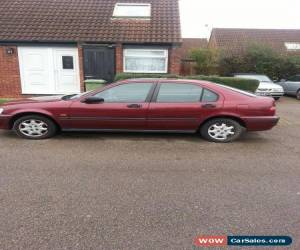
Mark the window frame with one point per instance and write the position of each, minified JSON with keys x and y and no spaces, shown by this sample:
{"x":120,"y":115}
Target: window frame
{"x":148,"y":97}
{"x":166,"y":57}
{"x":114,"y":15}
{"x":156,"y":91}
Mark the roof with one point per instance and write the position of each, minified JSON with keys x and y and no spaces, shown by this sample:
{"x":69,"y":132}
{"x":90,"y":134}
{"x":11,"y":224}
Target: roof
{"x":87,"y":21}
{"x":191,"y":43}
{"x":235,"y":40}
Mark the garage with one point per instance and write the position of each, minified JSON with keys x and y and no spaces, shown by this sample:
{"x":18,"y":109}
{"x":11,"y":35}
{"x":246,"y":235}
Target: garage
{"x":49,"y":70}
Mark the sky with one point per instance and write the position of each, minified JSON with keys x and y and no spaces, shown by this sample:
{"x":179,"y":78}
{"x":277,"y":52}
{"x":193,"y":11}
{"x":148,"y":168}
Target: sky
{"x":198,"y":17}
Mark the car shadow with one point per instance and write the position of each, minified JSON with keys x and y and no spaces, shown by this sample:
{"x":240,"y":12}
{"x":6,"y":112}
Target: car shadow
{"x":250,"y":137}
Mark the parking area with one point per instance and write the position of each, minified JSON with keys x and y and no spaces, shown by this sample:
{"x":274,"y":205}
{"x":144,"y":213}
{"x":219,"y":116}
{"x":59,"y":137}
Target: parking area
{"x":149,"y":191}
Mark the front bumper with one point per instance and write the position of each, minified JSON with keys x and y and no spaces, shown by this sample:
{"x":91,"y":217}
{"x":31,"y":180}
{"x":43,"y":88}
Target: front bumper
{"x":260,"y":123}
{"x":271,"y":94}
{"x":4,"y":121}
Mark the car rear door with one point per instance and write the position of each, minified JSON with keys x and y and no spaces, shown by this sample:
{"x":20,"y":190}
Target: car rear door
{"x":178,"y":106}
{"x":125,"y":106}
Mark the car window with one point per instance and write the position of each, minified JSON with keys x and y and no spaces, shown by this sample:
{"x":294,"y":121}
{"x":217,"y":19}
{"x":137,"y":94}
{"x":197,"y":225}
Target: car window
{"x":209,"y":96}
{"x":294,"y":79}
{"x":179,"y":92}
{"x":130,"y":92}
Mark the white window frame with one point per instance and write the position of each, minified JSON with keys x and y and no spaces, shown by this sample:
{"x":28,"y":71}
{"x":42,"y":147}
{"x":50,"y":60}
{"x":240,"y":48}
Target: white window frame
{"x":292,"y":46}
{"x":115,"y":13}
{"x":166,"y":57}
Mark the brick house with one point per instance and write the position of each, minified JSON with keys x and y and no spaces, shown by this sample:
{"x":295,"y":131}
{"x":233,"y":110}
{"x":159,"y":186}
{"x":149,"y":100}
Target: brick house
{"x":51,"y":47}
{"x":234,"y":41}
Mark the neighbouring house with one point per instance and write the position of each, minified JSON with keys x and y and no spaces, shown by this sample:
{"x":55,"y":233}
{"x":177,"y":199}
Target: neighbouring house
{"x":188,"y":44}
{"x":234,"y":41}
{"x":51,"y":47}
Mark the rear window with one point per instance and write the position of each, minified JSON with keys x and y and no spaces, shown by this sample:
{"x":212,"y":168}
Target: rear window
{"x":237,"y":90}
{"x":209,"y":96}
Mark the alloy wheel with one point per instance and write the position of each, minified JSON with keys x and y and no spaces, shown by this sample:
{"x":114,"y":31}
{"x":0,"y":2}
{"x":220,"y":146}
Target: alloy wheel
{"x":221,"y":131}
{"x":33,"y":128}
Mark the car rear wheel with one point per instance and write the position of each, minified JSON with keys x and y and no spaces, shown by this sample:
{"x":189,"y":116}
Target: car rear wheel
{"x":34,"y":127}
{"x":298,"y":94}
{"x":221,"y":130}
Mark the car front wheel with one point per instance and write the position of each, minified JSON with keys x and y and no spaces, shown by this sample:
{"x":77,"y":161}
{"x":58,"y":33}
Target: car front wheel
{"x":221,"y":130}
{"x":34,"y":127}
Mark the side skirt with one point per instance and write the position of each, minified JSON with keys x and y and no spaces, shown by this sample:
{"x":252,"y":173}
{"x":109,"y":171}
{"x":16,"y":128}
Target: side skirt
{"x":130,"y":131}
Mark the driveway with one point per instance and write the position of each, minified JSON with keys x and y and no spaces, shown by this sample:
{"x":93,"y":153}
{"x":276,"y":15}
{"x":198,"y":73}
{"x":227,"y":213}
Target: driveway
{"x":138,"y":191}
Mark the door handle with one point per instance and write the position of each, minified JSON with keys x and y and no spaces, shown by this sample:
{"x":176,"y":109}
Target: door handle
{"x":209,"y":106}
{"x":134,"y":106}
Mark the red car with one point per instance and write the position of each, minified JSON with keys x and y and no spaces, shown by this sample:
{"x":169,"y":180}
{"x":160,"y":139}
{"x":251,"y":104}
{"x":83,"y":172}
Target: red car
{"x":219,"y":113}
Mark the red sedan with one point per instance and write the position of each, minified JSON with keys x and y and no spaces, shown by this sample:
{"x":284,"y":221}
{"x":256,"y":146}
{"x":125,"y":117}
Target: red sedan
{"x":219,"y":113}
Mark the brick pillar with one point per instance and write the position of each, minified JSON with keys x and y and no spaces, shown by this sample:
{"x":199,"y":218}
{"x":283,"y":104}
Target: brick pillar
{"x":81,"y":72}
{"x":174,"y":60}
{"x":119,"y":58}
{"x":10,"y":80}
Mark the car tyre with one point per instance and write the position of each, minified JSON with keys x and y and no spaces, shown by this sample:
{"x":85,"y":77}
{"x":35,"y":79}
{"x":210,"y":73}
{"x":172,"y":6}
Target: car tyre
{"x":221,"y":130}
{"x":34,"y":127}
{"x":298,"y":95}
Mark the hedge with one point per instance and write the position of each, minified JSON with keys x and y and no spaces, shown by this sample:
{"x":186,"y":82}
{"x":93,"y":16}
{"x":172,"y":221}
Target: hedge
{"x":243,"y":84}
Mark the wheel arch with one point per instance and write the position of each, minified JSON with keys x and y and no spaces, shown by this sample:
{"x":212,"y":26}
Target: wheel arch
{"x":19,"y":115}
{"x":235,"y":118}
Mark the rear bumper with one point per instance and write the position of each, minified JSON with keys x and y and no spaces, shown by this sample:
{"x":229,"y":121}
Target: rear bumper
{"x":260,"y":123}
{"x":4,"y":121}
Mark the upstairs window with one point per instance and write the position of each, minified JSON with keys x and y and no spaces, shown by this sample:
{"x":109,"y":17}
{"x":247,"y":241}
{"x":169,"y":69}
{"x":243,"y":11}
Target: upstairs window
{"x":132,"y":10}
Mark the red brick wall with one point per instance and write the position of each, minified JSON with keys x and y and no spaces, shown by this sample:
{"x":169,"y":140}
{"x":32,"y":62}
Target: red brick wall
{"x":174,"y":60}
{"x":119,"y":58}
{"x":10,"y":82}
{"x":81,"y":72}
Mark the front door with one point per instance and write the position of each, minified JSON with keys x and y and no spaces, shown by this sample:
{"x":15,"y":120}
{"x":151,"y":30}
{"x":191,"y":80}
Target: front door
{"x":66,"y":70}
{"x":99,"y":63}
{"x":124,"y":106}
{"x":49,"y":70}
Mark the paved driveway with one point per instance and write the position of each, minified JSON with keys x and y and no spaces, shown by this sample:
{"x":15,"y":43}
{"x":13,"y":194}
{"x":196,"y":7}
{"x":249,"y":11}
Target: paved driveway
{"x":118,"y":191}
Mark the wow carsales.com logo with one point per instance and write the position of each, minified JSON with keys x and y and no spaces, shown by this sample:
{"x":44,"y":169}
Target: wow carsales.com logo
{"x":213,"y":241}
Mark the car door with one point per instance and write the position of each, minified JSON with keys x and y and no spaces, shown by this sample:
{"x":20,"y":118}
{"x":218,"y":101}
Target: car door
{"x":293,"y":85}
{"x":124,"y":106}
{"x":178,"y":106}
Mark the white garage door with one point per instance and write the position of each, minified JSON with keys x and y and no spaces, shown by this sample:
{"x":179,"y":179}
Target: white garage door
{"x":49,"y":70}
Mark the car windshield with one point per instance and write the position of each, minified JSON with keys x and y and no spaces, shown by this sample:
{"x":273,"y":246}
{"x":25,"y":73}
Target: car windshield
{"x":261,"y":78}
{"x":238,"y":90}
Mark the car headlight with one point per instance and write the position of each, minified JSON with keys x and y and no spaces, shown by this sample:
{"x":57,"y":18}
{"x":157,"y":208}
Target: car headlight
{"x":1,"y":110}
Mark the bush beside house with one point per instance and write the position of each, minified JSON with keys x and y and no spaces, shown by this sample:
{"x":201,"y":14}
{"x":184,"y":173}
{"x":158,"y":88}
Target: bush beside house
{"x":256,"y":58}
{"x":243,"y":84}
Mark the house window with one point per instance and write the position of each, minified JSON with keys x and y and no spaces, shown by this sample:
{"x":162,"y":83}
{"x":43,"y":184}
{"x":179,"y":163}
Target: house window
{"x":132,"y":10}
{"x":146,"y":60}
{"x":292,"y":46}
{"x":67,"y":62}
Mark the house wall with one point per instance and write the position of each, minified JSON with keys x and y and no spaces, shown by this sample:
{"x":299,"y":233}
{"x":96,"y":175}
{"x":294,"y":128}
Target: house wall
{"x":81,"y":70}
{"x":10,"y":82}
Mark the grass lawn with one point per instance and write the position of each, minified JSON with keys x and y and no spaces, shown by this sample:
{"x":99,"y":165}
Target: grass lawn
{"x":4,"y":100}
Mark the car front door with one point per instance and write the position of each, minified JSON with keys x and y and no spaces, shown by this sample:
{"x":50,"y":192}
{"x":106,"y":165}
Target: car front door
{"x":124,"y":106}
{"x":178,"y":106}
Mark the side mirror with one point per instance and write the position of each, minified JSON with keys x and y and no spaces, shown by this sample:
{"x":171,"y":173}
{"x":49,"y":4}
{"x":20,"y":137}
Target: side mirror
{"x":93,"y":99}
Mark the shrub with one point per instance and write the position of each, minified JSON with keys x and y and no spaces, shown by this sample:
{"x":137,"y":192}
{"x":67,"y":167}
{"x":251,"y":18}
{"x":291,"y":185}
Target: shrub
{"x":206,"y":60}
{"x":124,"y":76}
{"x":239,"y":83}
{"x":243,"y":84}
